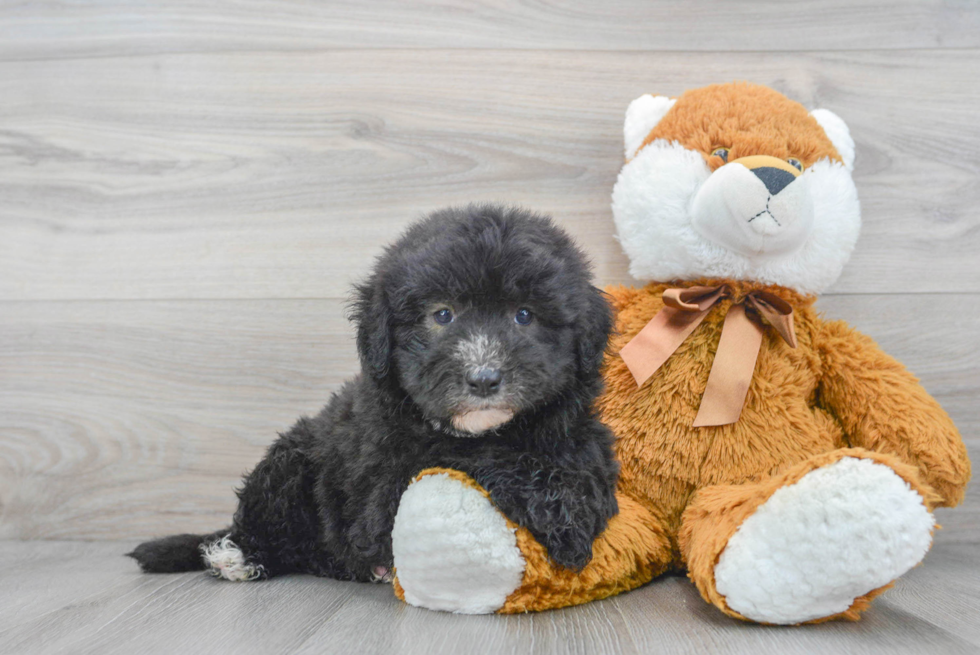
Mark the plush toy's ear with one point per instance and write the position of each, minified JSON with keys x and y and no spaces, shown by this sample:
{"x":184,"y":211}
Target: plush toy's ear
{"x":372,"y":315}
{"x":642,"y":115}
{"x":592,"y":332}
{"x":840,"y":136}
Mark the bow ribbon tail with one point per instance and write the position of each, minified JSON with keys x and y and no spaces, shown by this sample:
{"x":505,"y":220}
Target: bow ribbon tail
{"x":738,"y":348}
{"x":657,"y":341}
{"x":683,"y":311}
{"x":731,"y":372}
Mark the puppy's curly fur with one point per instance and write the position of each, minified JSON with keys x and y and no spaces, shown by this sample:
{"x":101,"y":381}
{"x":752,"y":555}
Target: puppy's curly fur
{"x":483,"y":311}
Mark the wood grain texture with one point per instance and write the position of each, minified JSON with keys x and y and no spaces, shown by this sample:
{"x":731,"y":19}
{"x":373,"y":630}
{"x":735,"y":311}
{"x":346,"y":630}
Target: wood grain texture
{"x":116,"y":27}
{"x":125,"y":419}
{"x":102,"y":604}
{"x":120,"y":417}
{"x":281,"y":175}
{"x":187,"y":190}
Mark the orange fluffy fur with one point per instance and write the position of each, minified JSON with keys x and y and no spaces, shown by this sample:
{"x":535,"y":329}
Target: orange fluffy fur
{"x":748,"y":120}
{"x":684,"y":491}
{"x":688,"y":489}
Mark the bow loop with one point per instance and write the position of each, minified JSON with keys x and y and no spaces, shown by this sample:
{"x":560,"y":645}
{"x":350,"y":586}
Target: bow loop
{"x":777,"y":312}
{"x":738,"y":348}
{"x":694,"y":299}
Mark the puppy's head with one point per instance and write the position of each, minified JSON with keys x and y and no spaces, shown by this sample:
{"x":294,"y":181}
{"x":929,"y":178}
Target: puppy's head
{"x":481,"y":313}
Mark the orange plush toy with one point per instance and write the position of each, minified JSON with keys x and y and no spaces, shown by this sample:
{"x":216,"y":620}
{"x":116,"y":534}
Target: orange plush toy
{"x":788,"y":464}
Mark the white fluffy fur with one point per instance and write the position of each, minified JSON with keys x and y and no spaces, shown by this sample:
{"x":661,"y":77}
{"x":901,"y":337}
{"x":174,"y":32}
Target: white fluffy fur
{"x":453,"y":549}
{"x":836,"y":129}
{"x":652,"y":207}
{"x":227,"y":561}
{"x":642,"y":115}
{"x":814,"y":546}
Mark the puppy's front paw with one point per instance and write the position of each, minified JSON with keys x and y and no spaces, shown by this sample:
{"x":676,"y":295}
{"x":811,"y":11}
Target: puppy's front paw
{"x":453,"y":550}
{"x":571,"y":549}
{"x":567,"y":523}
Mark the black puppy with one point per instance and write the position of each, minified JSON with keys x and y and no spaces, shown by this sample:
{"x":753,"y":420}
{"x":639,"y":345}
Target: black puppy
{"x":480,"y":337}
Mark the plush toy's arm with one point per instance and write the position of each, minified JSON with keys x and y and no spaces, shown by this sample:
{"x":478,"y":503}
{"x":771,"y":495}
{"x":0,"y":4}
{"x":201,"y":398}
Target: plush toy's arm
{"x":882,"y":407}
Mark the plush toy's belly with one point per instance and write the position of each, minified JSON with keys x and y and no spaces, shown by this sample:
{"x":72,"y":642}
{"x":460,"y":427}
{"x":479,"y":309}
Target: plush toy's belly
{"x":665,"y":459}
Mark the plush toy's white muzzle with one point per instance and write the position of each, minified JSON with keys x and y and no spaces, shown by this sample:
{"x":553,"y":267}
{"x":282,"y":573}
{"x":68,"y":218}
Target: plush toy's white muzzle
{"x":756,"y":206}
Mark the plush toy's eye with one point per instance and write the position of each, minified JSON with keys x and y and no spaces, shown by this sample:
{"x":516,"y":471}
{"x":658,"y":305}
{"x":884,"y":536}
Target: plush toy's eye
{"x":443,"y":316}
{"x":720,"y":152}
{"x":523,"y":316}
{"x":793,"y":161}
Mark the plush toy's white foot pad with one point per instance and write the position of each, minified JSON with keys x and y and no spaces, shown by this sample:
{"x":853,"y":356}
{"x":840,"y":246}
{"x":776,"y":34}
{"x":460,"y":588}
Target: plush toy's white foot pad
{"x":815,"y":546}
{"x":453,"y":549}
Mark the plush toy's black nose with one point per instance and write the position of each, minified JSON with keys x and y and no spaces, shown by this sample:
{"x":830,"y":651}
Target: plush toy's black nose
{"x":775,"y":179}
{"x":484,"y":382}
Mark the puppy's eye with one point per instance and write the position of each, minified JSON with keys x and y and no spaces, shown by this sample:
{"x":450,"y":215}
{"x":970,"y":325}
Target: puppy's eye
{"x":443,"y":316}
{"x":795,"y":163}
{"x":720,"y":152}
{"x":523,"y":316}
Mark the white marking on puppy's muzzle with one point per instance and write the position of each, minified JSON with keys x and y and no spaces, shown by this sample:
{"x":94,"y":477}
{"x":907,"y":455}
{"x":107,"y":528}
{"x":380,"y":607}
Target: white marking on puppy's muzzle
{"x":481,"y":420}
{"x":480,"y":351}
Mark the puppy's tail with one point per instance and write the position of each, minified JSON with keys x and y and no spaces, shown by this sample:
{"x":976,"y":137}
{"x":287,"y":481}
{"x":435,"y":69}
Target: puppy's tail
{"x":176,"y":553}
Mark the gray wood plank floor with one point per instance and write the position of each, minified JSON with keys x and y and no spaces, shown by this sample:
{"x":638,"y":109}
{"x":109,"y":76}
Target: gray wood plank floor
{"x":230,"y":175}
{"x":187,"y":190}
{"x":49,"y":29}
{"x":77,"y":597}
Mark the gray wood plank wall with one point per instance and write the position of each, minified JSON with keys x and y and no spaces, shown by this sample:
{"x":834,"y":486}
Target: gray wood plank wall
{"x":187,"y":190}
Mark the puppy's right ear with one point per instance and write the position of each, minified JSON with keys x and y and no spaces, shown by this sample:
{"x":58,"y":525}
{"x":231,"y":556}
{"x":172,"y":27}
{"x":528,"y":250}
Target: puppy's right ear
{"x":593,"y":328}
{"x":372,"y":315}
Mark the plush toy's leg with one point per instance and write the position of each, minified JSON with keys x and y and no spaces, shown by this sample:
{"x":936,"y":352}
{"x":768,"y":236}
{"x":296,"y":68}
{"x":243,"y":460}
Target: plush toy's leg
{"x":455,"y":552}
{"x":814,"y":542}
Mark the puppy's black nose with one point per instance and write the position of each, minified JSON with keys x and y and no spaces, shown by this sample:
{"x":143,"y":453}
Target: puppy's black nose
{"x":484,"y":382}
{"x":775,"y":179}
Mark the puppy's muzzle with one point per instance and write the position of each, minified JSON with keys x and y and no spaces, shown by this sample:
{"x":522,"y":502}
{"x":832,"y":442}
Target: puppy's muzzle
{"x":484,"y":382}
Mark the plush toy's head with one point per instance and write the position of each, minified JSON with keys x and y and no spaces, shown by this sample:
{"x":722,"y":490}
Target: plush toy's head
{"x":736,"y":181}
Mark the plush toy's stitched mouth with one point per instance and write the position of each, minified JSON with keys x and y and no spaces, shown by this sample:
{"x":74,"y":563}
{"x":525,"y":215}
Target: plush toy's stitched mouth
{"x":764,"y":212}
{"x":754,"y":216}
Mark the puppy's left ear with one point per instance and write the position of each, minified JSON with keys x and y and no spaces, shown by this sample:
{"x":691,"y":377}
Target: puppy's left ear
{"x":592,"y":332}
{"x":372,"y":315}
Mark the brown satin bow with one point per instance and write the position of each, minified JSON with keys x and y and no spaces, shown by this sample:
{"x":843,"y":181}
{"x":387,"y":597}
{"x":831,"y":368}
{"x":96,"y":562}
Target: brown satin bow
{"x":738,"y":348}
